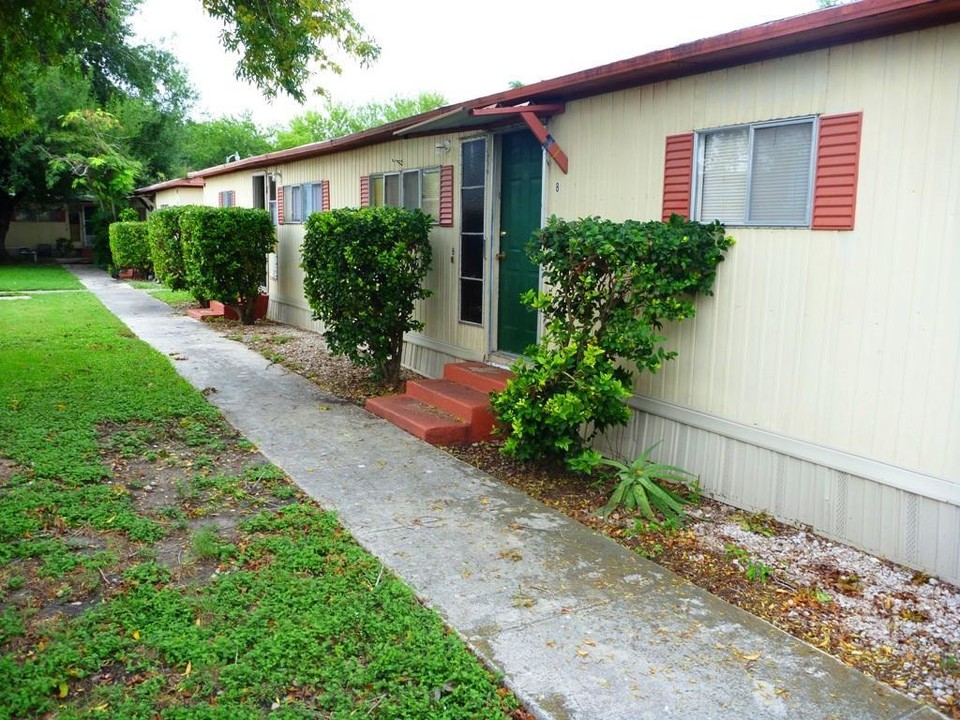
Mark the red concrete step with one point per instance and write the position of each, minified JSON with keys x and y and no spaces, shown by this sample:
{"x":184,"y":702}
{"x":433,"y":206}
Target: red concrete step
{"x":218,"y":310}
{"x":471,"y":406}
{"x":204,"y":313}
{"x":419,"y":419}
{"x":479,"y":376}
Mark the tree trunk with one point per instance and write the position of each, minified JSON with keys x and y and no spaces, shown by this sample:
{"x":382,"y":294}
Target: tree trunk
{"x":391,"y":368}
{"x":247,"y":310}
{"x":8,"y":206}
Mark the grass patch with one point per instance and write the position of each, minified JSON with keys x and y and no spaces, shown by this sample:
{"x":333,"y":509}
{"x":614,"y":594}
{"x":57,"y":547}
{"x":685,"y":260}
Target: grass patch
{"x":17,"y":278}
{"x":173,"y":297}
{"x":152,"y":564}
{"x":162,"y":292}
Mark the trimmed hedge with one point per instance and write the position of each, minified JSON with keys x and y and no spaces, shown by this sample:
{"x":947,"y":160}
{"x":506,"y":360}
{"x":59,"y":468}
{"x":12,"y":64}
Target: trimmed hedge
{"x":364,"y":273}
{"x":224,"y":255}
{"x":130,"y":247}
{"x":166,"y":247}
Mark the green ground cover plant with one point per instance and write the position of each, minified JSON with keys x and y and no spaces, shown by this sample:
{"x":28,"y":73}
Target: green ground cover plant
{"x":153,"y":565}
{"x":16,"y":278}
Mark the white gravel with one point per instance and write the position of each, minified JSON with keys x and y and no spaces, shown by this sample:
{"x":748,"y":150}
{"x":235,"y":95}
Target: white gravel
{"x":914,"y":616}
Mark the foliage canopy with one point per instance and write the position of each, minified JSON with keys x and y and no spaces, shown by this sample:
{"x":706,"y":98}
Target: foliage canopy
{"x":612,"y":286}
{"x":338,"y":119}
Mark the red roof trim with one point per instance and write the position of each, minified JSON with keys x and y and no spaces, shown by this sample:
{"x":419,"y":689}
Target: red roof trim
{"x":838,"y":25}
{"x":197,"y":182}
{"x":551,"y":109}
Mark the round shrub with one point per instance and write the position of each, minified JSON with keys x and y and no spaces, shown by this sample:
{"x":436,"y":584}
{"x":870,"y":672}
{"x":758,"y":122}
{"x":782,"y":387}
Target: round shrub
{"x":364,"y":273}
{"x":130,"y":247}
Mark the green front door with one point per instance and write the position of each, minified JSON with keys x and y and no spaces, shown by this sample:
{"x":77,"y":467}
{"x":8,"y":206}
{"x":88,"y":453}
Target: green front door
{"x":521,"y":188}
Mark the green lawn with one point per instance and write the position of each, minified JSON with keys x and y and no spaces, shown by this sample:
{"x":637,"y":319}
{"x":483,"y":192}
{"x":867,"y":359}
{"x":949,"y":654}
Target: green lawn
{"x":154,"y":565}
{"x":162,"y":292}
{"x":15,"y":278}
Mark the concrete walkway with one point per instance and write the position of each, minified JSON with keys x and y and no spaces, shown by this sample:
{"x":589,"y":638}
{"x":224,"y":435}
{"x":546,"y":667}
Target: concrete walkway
{"x":579,"y":627}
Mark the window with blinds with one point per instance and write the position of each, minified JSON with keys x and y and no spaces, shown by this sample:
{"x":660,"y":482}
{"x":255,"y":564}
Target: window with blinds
{"x":410,"y":189}
{"x":301,"y":201}
{"x":758,"y":174}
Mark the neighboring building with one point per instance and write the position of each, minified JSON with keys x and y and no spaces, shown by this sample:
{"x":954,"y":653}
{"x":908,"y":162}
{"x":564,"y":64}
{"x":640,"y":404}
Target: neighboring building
{"x":820,"y":383}
{"x":170,"y":193}
{"x":50,"y":230}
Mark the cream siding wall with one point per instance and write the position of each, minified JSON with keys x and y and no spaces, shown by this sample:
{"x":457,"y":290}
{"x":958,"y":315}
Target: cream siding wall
{"x":845,"y":339}
{"x":23,"y":234}
{"x":240,"y":182}
{"x":444,"y":338}
{"x":175,"y":197}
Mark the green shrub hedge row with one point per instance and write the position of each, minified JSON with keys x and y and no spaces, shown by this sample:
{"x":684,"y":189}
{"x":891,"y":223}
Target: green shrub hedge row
{"x":215,"y":253}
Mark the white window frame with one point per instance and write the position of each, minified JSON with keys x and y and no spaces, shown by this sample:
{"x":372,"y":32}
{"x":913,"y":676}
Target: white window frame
{"x":303,"y":192}
{"x":381,"y":178}
{"x":698,"y":154}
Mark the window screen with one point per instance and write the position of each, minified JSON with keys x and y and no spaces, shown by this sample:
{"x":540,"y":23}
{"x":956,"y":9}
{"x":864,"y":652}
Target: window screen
{"x":756,"y":174}
{"x":780,"y":174}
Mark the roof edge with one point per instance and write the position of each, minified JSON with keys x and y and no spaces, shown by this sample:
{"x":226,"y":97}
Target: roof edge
{"x":169,"y":184}
{"x":842,"y":24}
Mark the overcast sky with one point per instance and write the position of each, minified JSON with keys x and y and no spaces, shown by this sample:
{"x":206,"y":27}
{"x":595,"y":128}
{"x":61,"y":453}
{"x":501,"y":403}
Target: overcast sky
{"x":457,"y":49}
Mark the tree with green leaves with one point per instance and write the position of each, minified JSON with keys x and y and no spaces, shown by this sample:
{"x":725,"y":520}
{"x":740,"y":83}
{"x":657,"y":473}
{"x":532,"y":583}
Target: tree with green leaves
{"x":92,"y":160}
{"x":72,"y":72}
{"x":206,"y":143}
{"x":278,"y":42}
{"x":280,"y":39}
{"x":337,"y":119}
{"x":87,"y":47}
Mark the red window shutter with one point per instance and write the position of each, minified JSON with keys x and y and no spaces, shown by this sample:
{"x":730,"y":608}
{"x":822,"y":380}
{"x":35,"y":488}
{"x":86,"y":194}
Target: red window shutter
{"x":325,"y":195}
{"x":838,"y":163}
{"x":446,"y":196}
{"x":365,"y":191}
{"x":677,"y":175}
{"x":220,"y":199}
{"x":280,"y":205}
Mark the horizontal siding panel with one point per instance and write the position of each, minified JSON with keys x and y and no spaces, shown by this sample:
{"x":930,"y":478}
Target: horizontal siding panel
{"x":804,"y":336}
